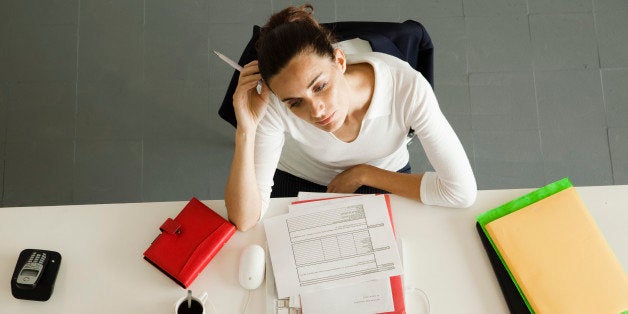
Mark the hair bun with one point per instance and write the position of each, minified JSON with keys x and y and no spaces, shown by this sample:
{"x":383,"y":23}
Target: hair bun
{"x":291,"y":14}
{"x":288,"y":32}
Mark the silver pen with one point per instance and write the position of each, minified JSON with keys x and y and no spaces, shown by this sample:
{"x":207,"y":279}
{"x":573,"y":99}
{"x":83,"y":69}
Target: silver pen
{"x":236,"y":66}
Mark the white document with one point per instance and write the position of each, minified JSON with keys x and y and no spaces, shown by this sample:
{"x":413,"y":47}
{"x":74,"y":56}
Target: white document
{"x":331,"y":243}
{"x":303,"y":196}
{"x":373,"y":296}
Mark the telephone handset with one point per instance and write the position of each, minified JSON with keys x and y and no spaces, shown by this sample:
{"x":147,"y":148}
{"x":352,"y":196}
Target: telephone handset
{"x":32,"y":270}
{"x":35,"y":274}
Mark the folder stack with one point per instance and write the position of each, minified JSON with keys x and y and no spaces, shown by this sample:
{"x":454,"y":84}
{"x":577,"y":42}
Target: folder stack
{"x":336,"y":254}
{"x":550,"y":256}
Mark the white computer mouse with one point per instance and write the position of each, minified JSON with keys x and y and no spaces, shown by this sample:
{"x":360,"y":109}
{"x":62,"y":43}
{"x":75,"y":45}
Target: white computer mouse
{"x":252,"y":267}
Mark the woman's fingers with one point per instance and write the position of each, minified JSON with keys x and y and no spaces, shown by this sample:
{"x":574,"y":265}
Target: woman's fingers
{"x":250,"y":68}
{"x":247,"y":94}
{"x":250,"y":77}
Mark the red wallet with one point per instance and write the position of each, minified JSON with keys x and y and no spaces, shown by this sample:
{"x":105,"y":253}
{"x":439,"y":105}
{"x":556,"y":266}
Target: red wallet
{"x":188,"y":242}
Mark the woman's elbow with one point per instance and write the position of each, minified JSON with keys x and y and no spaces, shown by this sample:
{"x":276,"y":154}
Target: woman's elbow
{"x":242,"y":219}
{"x":465,"y":197}
{"x":244,"y":226}
{"x":242,"y":223}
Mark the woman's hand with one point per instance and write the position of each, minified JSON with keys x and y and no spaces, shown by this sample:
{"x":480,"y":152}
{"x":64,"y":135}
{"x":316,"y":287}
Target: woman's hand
{"x":349,"y":180}
{"x":249,"y":106}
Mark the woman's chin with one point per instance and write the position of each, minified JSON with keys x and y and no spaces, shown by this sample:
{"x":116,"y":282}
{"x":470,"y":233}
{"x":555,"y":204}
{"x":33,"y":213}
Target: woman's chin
{"x":330,"y":127}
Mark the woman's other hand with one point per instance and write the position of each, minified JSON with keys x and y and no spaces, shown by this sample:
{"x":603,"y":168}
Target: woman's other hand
{"x":348,"y":181}
{"x":249,"y":106}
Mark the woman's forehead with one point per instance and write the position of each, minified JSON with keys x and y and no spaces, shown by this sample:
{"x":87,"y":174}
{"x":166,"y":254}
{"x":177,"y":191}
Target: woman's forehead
{"x":301,"y":71}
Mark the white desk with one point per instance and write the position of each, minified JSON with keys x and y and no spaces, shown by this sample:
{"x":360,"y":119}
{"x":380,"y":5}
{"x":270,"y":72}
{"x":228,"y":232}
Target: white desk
{"x":102,"y":270}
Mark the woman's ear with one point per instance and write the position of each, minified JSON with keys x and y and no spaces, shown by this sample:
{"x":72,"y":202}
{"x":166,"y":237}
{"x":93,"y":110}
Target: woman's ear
{"x":340,"y":59}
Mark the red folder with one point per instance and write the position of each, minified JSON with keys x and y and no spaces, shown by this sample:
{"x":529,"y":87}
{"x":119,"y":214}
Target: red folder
{"x":188,"y":242}
{"x":395,"y":281}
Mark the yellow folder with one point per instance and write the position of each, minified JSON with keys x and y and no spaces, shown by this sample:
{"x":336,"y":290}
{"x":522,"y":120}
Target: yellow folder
{"x":559,"y":258}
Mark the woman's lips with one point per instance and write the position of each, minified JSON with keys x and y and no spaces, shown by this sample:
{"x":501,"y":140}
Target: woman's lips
{"x":326,"y":120}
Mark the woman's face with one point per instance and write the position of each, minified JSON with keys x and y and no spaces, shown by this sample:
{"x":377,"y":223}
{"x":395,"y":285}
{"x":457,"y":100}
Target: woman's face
{"x":313,"y":88}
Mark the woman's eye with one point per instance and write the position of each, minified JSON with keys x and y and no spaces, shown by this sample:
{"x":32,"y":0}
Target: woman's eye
{"x":320,"y":87}
{"x":295,"y":103}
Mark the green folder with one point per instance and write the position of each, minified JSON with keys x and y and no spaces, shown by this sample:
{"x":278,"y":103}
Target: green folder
{"x":513,"y":206}
{"x":548,"y":257}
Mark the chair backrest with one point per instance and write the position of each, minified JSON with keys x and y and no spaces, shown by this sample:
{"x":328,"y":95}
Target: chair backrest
{"x":408,"y":41}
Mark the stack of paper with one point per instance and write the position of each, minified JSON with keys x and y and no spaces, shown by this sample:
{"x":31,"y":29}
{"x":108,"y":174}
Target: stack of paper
{"x":337,"y":254}
{"x":555,"y":254}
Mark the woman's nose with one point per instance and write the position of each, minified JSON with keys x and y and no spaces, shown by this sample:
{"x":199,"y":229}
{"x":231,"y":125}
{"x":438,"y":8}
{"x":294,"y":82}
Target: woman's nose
{"x":318,"y":109}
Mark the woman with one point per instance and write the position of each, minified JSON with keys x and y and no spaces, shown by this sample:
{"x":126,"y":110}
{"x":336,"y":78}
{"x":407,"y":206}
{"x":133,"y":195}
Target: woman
{"x":336,"y":122}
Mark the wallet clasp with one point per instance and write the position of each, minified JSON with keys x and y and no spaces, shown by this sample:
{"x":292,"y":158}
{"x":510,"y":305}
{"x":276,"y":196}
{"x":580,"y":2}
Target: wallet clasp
{"x":170,"y":226}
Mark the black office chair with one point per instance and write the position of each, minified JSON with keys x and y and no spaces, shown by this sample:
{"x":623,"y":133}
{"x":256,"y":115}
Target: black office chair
{"x":408,"y":41}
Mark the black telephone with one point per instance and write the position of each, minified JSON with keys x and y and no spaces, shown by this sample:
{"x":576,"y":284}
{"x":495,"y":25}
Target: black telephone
{"x":35,"y":274}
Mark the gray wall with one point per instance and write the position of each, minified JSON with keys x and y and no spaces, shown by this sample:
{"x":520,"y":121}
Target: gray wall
{"x":116,"y":101}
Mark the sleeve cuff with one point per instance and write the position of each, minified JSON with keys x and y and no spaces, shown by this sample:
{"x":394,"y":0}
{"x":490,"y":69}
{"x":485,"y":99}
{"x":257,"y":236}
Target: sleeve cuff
{"x":428,"y":183}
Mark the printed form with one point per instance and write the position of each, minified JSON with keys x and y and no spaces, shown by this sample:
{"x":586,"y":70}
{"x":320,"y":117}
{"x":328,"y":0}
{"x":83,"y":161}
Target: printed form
{"x":332,"y":243}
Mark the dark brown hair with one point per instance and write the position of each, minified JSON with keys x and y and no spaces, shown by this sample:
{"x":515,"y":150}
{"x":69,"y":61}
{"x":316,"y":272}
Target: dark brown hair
{"x":287,"y":33}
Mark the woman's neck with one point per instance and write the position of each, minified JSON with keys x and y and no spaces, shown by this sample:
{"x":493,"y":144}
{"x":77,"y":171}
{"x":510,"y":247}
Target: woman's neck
{"x":360,"y":80}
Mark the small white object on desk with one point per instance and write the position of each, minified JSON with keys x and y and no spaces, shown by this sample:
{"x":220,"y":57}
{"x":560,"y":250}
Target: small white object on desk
{"x":252,"y":267}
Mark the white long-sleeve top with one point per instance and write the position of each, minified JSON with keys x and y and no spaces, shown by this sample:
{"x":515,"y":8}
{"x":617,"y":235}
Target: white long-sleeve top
{"x":402,"y":99}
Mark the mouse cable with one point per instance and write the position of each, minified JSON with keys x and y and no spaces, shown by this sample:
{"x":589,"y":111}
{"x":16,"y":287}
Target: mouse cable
{"x":212,"y":304}
{"x":248,"y":298}
{"x":427,"y":299}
